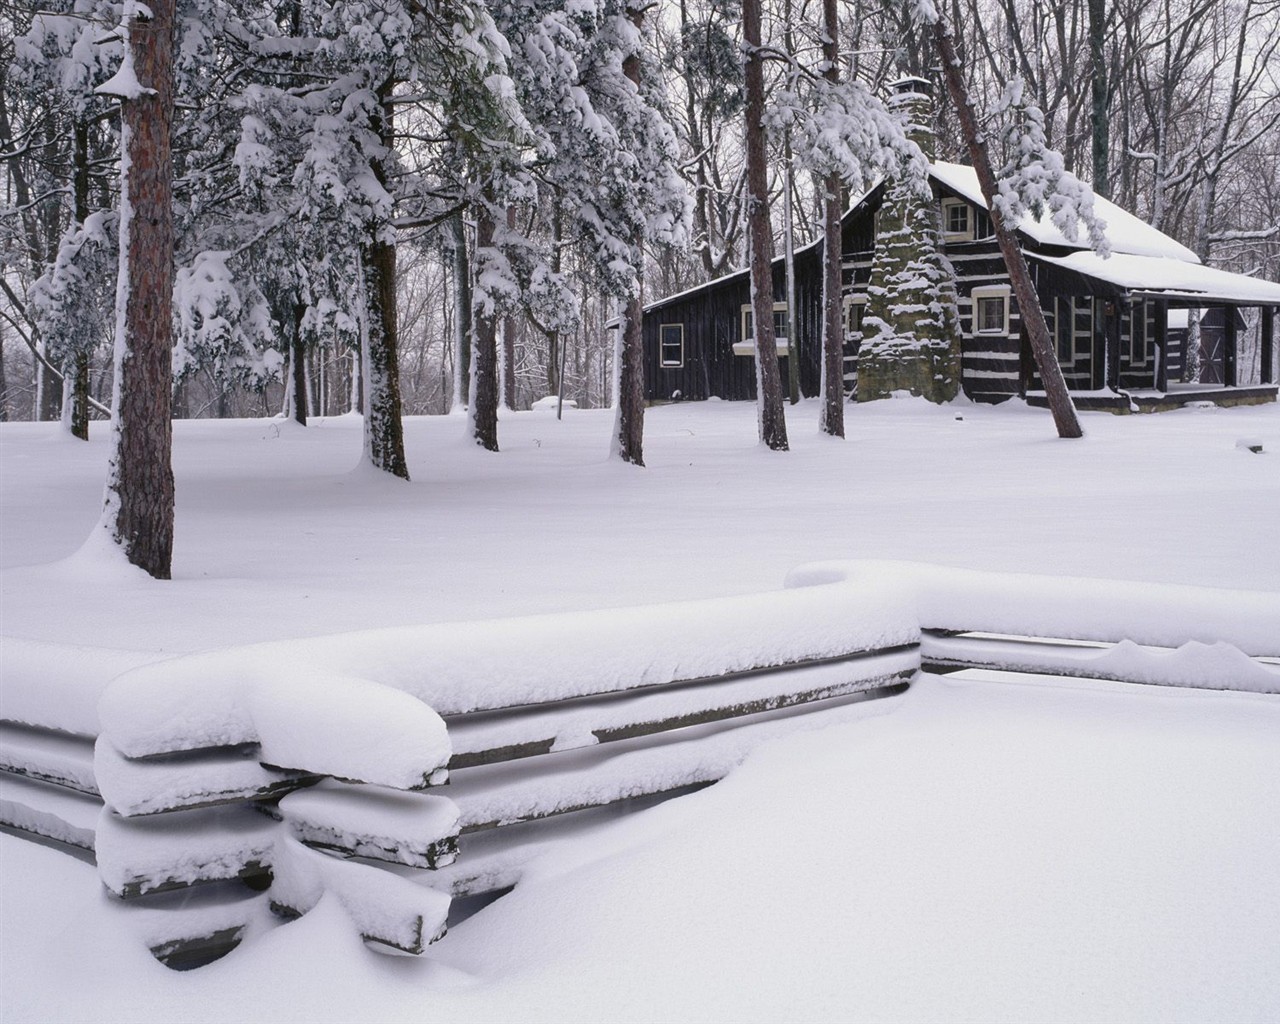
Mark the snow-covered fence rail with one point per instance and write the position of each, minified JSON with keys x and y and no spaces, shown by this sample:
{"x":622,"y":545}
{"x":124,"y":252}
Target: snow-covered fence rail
{"x":311,"y":767}
{"x":255,"y":764}
{"x":1154,"y":634}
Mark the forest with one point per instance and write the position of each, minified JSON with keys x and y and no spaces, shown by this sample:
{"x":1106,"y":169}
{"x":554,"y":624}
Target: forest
{"x":302,"y":129}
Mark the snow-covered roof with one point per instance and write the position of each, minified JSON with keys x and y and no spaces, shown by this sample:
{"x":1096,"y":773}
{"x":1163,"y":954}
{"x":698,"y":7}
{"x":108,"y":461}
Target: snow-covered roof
{"x":1125,"y":232}
{"x":1171,"y":278}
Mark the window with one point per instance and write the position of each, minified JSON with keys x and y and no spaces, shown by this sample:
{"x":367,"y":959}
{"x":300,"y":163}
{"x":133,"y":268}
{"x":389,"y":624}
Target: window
{"x":671,"y":345}
{"x":991,"y":309}
{"x":957,"y":220}
{"x":1138,"y":332}
{"x":855,"y":308}
{"x":1064,"y":329}
{"x":781,"y":329}
{"x":781,"y":322}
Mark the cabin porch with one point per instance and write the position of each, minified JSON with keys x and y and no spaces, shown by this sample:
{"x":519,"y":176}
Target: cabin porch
{"x":1177,"y":396}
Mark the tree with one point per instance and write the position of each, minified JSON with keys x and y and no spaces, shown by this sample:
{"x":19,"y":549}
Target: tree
{"x":1006,"y":205}
{"x":138,"y":512}
{"x":771,"y":417}
{"x":831,"y":419}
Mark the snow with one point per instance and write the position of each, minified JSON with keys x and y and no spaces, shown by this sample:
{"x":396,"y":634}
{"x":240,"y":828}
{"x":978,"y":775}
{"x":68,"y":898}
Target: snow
{"x":383,"y":821}
{"x":181,"y":848}
{"x":380,"y":905}
{"x":988,"y":851}
{"x":146,"y":787}
{"x":1171,"y":277}
{"x":1065,"y":607}
{"x":302,"y":719}
{"x":971,"y":849}
{"x":60,"y":758}
{"x":1125,"y":232}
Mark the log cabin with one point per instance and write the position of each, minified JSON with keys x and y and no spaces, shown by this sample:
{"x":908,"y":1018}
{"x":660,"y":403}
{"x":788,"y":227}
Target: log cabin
{"x":1119,"y":323}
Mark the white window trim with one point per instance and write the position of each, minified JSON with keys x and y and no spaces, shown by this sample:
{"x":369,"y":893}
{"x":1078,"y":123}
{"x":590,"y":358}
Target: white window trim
{"x":991,"y":291}
{"x":747,"y":346}
{"x":849,"y":302}
{"x":956,"y":236}
{"x":662,"y":359}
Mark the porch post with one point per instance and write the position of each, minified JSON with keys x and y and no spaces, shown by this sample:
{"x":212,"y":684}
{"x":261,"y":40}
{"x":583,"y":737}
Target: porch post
{"x":1162,"y":344}
{"x":1111,"y":333}
{"x":1268,"y":343}
{"x":1229,"y":346}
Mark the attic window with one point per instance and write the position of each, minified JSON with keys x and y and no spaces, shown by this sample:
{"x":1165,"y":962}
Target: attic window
{"x":671,"y":345}
{"x":957,"y":221}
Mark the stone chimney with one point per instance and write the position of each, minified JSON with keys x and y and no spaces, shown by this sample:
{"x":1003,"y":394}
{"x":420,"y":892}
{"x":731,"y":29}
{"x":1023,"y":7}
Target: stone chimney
{"x":911,"y":331}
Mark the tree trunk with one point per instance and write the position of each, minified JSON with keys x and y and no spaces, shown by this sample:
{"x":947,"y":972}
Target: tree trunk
{"x":509,"y":341}
{"x":630,"y":420}
{"x":4,"y":382}
{"x":77,"y":367}
{"x":298,"y":369}
{"x":1060,"y":404}
{"x":773,"y":424}
{"x":79,"y":373}
{"x":484,"y":371}
{"x":383,"y":429}
{"x":554,"y":341}
{"x":631,"y":384}
{"x":139,"y":501}
{"x":831,"y":419}
{"x":461,"y":313}
{"x":1098,"y":68}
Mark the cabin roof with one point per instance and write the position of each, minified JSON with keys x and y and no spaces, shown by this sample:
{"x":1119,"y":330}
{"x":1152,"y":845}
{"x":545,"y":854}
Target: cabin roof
{"x":1125,"y":232}
{"x":1143,"y":258}
{"x":1169,"y":278}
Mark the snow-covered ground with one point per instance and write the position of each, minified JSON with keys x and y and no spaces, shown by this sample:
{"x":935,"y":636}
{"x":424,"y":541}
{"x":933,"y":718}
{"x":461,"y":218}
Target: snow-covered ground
{"x":970,"y":850}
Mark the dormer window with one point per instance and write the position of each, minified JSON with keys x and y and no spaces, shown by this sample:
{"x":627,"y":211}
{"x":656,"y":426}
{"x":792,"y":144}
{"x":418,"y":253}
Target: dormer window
{"x":957,"y":221}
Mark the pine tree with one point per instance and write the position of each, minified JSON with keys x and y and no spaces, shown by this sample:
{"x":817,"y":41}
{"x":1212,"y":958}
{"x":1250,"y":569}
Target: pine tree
{"x":139,"y":500}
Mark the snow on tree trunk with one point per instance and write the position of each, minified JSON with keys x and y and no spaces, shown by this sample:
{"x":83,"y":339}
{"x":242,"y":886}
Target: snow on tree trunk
{"x":772,"y":418}
{"x":138,"y":512}
{"x":77,"y":368}
{"x":509,"y":340}
{"x":831,"y":418}
{"x":383,"y":430}
{"x":483,"y":407}
{"x":630,"y":420}
{"x":1042,"y":348}
{"x":461,"y":313}
{"x":1099,"y":96}
{"x":911,"y":336}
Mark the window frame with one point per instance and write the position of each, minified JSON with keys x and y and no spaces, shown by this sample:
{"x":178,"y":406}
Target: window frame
{"x":1065,"y":319}
{"x":969,"y":233}
{"x":850,"y":301}
{"x":663,"y":361}
{"x":746,"y":346}
{"x":1002,"y":292}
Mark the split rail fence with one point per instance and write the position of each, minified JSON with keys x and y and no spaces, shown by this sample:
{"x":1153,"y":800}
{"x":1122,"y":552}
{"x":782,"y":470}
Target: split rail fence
{"x":221,"y":791}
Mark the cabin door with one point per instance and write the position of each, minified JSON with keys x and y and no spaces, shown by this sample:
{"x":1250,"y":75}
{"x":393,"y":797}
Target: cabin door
{"x":1212,"y":354}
